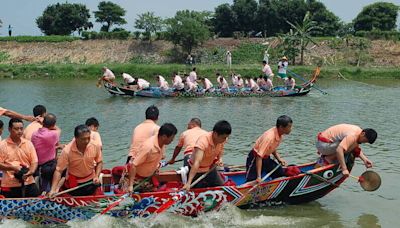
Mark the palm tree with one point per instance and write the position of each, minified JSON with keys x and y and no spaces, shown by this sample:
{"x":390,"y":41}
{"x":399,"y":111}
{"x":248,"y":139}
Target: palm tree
{"x":303,"y":32}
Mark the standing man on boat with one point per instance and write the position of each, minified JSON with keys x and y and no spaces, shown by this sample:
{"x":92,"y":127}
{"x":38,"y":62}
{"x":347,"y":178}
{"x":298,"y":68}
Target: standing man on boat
{"x":83,"y":161}
{"x":39,"y":111}
{"x":207,"y":154}
{"x":340,"y":139}
{"x":282,"y":68}
{"x":148,"y":159}
{"x":46,"y":141}
{"x":108,"y":76}
{"x":266,"y":70}
{"x":12,"y":114}
{"x":259,"y":158}
{"x":144,"y":131}
{"x":18,"y":161}
{"x":187,"y":140}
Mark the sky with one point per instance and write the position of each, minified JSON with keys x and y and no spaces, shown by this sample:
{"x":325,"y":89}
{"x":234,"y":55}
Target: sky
{"x":22,"y":14}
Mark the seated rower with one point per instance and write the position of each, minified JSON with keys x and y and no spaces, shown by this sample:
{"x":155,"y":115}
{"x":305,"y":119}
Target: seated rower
{"x":208,"y":152}
{"x":207,"y":85}
{"x":290,"y":83}
{"x":83,"y":161}
{"x":223,"y":84}
{"x":187,"y":140}
{"x":259,"y":160}
{"x":234,"y":79}
{"x":18,"y":161}
{"x":108,"y":76}
{"x":239,"y":83}
{"x":146,"y":163}
{"x":268,"y":86}
{"x":252,"y":84}
{"x":190,"y":86}
{"x":128,"y":79}
{"x":162,"y":83}
{"x":141,"y":83}
{"x":340,"y":139}
{"x":177,"y":83}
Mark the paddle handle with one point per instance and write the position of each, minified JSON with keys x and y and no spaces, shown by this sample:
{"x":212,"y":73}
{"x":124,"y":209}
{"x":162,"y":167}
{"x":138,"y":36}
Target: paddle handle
{"x":202,"y":177}
{"x":352,"y":176}
{"x":73,"y":189}
{"x":265,"y":177}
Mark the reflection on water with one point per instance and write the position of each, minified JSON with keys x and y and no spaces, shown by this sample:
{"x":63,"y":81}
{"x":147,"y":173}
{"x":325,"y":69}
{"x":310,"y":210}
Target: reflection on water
{"x":368,"y":221}
{"x":368,"y":104}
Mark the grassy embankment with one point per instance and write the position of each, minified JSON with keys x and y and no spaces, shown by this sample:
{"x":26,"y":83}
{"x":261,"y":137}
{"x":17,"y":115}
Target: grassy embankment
{"x":65,"y":71}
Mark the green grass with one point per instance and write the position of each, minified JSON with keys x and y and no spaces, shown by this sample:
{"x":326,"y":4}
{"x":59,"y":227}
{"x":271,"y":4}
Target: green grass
{"x":68,"y":71}
{"x":39,"y":38}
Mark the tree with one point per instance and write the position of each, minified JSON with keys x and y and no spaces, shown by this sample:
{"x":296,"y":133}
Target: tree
{"x":149,"y":23}
{"x":267,"y":18}
{"x":381,"y":16}
{"x":328,"y":21}
{"x":289,"y":10}
{"x":63,"y":19}
{"x":246,"y":12}
{"x":110,"y":14}
{"x":224,"y":20}
{"x":303,"y":33}
{"x":188,"y":29}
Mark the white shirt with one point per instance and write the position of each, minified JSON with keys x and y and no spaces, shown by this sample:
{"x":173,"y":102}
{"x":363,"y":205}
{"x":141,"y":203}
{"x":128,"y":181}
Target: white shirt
{"x":267,"y":70}
{"x":235,"y":80}
{"x":177,"y":82}
{"x":143,"y":83}
{"x":253,"y":85}
{"x":109,"y":74}
{"x":207,"y":84}
{"x":223,"y":84}
{"x":127,"y":78}
{"x":282,"y":66}
{"x":269,"y":84}
{"x":193,"y":76}
{"x":240,"y":82}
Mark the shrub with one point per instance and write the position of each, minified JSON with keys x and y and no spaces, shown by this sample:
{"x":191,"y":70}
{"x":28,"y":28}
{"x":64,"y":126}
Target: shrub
{"x":39,"y":38}
{"x":119,"y":35}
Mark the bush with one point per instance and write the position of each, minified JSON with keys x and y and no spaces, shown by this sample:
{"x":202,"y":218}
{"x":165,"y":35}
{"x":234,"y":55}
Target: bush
{"x":377,"y":34}
{"x":39,"y":38}
{"x":4,"y":56}
{"x":119,"y":35}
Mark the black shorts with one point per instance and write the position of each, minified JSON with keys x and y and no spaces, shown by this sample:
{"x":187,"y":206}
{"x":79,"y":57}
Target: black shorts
{"x":31,"y":190}
{"x":213,"y":179}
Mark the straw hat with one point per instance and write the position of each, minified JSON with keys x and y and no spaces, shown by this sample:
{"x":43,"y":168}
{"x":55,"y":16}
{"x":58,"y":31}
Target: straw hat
{"x":284,"y":58}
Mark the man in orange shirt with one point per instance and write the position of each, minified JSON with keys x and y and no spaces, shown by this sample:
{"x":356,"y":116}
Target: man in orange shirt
{"x":259,"y":160}
{"x":187,"y":140}
{"x":83,"y":161}
{"x":147,"y":161}
{"x":340,"y":139}
{"x":93,"y":124}
{"x":39,"y":111}
{"x":208,"y":152}
{"x":18,"y":161}
{"x":144,"y":131}
{"x":12,"y":114}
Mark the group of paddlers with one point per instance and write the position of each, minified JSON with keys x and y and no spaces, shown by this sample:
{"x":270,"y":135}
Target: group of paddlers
{"x":192,"y":83}
{"x":31,"y":151}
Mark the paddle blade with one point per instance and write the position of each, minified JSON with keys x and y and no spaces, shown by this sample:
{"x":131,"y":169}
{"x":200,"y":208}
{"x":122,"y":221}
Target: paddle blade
{"x":370,"y":181}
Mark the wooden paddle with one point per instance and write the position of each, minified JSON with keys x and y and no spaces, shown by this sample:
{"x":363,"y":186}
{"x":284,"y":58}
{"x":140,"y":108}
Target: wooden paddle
{"x":47,"y":197}
{"x":245,"y":196}
{"x":171,"y":201}
{"x":369,"y":180}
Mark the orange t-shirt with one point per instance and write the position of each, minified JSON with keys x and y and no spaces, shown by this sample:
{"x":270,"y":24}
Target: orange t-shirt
{"x":16,"y":155}
{"x":188,"y":139}
{"x":212,"y":153}
{"x":81,"y":165}
{"x":346,"y":134}
{"x":96,"y":138}
{"x":148,"y":159}
{"x":2,"y":111}
{"x":267,"y":143}
{"x":30,"y":129}
{"x":141,"y":133}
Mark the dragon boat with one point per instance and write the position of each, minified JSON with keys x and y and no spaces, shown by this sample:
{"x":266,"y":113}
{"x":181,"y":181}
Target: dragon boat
{"x":156,"y":92}
{"x":311,"y":184}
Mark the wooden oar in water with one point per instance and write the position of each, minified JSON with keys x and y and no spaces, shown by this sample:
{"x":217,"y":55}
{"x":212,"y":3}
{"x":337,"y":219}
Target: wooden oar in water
{"x":369,"y":180}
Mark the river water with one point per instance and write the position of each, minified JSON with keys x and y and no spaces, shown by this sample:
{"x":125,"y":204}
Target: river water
{"x":374,"y":104}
